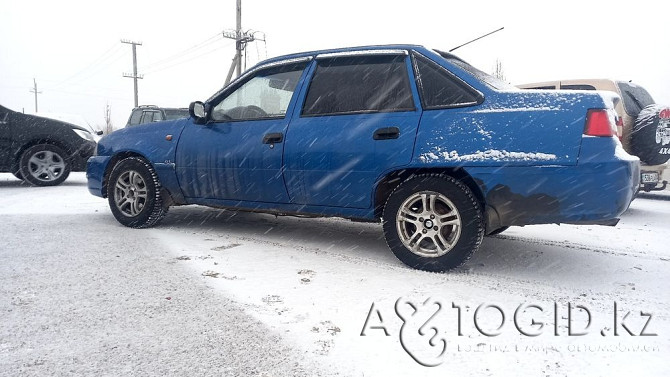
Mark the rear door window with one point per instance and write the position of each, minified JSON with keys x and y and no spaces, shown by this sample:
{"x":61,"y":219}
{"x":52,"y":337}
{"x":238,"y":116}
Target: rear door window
{"x":359,"y":85}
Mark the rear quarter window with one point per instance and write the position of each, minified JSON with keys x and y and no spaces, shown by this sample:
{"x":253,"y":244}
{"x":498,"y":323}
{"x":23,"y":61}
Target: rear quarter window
{"x":441,"y":89}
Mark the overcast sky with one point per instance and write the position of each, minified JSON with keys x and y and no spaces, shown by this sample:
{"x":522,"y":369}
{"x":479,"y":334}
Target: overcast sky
{"x":73,"y":48}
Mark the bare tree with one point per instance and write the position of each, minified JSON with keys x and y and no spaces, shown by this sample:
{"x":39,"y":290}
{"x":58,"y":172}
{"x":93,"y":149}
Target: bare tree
{"x":498,"y":70}
{"x":109,"y":127}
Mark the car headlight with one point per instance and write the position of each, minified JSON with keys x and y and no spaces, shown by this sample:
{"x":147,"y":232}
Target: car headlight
{"x":84,"y":134}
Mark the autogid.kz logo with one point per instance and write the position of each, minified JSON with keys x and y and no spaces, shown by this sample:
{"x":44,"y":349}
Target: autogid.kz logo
{"x":432,"y":328}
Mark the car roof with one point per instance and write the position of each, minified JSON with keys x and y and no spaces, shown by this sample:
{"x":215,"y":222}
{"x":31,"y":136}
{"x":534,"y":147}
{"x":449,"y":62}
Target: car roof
{"x":154,"y":107}
{"x":340,"y":50}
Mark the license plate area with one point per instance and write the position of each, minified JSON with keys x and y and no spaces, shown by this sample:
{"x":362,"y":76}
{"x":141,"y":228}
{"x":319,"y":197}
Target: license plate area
{"x":649,"y":177}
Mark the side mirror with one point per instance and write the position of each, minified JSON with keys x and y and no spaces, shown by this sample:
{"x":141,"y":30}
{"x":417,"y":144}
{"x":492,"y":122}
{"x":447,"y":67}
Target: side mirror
{"x":197,"y":111}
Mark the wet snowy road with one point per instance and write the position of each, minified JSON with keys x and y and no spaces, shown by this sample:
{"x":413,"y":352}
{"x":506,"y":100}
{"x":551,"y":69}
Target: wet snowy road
{"x":251,"y":292}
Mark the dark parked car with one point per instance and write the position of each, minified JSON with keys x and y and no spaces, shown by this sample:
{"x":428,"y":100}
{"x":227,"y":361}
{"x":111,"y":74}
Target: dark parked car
{"x":440,"y":152}
{"x":150,"y":113}
{"x":42,"y":151}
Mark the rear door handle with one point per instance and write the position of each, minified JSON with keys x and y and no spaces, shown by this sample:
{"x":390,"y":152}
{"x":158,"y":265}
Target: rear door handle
{"x":386,"y":133}
{"x":273,"y":138}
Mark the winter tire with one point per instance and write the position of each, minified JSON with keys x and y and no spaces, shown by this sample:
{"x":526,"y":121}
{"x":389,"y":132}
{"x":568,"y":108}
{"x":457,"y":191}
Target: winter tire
{"x":44,"y":165}
{"x":650,"y":138}
{"x":134,"y":194}
{"x":433,"y":222}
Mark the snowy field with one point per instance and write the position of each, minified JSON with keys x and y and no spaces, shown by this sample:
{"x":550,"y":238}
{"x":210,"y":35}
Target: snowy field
{"x":212,"y":292}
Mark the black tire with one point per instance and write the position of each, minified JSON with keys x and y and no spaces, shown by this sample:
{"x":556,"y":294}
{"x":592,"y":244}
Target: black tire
{"x":650,"y":137}
{"x":438,"y":246}
{"x":134,"y":194}
{"x":498,"y":231}
{"x":44,"y":165}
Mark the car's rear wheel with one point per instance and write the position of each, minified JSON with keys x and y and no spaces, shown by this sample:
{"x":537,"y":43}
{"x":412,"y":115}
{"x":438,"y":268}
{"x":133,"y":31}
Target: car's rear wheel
{"x":433,"y":222}
{"x":44,"y":165}
{"x":134,"y":194}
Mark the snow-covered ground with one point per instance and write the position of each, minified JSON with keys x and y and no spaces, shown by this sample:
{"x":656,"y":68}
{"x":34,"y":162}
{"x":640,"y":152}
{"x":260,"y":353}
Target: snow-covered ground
{"x":319,"y":296}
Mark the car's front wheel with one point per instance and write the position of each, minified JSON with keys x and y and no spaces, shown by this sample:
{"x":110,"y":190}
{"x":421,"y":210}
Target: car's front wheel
{"x":134,"y":194}
{"x":433,"y":222}
{"x":44,"y":165}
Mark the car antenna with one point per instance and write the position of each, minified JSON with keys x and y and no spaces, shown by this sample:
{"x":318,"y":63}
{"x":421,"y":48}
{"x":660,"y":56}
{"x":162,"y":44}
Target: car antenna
{"x":476,"y":39}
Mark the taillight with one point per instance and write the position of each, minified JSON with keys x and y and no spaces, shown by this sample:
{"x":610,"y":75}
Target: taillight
{"x":600,"y":122}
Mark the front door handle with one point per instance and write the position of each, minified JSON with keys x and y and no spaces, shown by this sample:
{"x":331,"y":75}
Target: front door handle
{"x":386,"y":133}
{"x":273,"y":138}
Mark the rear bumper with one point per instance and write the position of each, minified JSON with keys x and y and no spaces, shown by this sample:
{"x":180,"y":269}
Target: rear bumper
{"x":595,"y":191}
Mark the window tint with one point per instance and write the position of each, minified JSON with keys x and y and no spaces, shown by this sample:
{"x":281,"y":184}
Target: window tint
{"x":361,"y":84}
{"x":439,"y":88}
{"x":135,"y":117}
{"x":578,"y":87}
{"x":635,"y":97}
{"x":265,"y":95}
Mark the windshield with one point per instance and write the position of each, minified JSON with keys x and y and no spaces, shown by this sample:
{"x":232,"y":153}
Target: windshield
{"x":489,"y":80}
{"x":635,"y":97}
{"x":176,"y":114}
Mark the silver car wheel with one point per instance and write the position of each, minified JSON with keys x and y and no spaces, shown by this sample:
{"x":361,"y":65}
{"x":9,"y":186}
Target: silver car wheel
{"x":428,"y":224}
{"x":46,"y":166}
{"x":130,"y":193}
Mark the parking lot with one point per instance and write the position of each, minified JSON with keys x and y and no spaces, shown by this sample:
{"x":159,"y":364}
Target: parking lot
{"x":213,"y":292}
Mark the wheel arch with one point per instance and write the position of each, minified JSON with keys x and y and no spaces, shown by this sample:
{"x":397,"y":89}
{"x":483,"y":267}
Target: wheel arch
{"x":390,"y":181}
{"x":112,"y":162}
{"x":31,"y":143}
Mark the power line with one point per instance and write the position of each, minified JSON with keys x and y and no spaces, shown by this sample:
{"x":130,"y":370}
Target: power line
{"x":96,"y":63}
{"x":187,"y":60}
{"x":183,"y":58}
{"x":178,"y":54}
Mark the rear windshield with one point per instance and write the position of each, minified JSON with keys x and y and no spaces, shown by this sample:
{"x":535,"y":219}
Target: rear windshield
{"x":635,"y":97}
{"x":176,"y":114}
{"x":489,"y":80}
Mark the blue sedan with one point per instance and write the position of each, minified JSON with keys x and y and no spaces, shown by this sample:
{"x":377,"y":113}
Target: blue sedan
{"x":438,"y":151}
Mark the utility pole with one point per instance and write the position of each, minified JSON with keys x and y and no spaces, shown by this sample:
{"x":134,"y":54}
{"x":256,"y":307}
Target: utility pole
{"x":34,"y":90}
{"x":241,"y":39}
{"x":134,"y":75}
{"x":238,"y":45}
